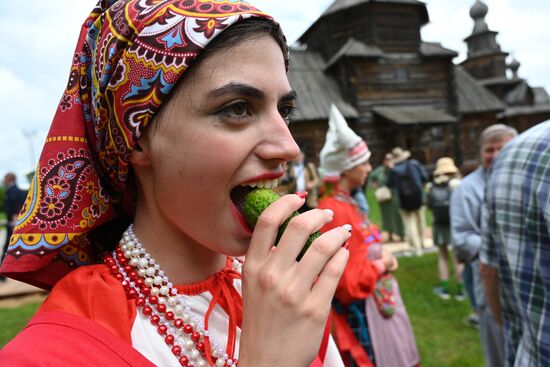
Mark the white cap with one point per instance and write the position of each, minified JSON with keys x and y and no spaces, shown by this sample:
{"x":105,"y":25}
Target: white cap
{"x":343,"y":148}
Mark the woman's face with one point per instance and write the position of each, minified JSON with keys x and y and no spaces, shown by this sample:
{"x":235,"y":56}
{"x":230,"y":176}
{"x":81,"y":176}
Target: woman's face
{"x":227,"y":126}
{"x":388,"y":160}
{"x":358,"y":175}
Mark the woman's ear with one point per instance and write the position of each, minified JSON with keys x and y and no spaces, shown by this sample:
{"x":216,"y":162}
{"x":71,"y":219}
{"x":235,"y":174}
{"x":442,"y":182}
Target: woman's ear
{"x":141,"y":155}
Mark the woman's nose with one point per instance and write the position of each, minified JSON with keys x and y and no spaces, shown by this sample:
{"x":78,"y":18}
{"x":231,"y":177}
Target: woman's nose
{"x":277,"y":141}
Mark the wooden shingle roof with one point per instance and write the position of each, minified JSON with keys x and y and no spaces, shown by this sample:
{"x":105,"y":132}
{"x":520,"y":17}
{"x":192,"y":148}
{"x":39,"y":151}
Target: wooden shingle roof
{"x":354,"y":48}
{"x":541,"y":97}
{"x":338,"y":5}
{"x":316,"y":90}
{"x":413,"y":115}
{"x":435,"y":49}
{"x":524,"y":111}
{"x":472,"y":96}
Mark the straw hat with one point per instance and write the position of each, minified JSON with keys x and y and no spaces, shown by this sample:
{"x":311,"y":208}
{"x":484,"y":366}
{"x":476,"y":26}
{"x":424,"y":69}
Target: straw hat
{"x":343,"y":148}
{"x":399,"y":155}
{"x":445,"y":165}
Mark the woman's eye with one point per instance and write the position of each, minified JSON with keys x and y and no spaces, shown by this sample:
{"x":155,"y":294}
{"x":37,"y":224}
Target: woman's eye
{"x":238,"y":110}
{"x":287,"y":112}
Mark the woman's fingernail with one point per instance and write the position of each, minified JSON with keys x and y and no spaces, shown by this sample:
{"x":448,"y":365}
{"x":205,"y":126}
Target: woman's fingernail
{"x":346,"y":245}
{"x":302,"y":194}
{"x":329,"y":212}
{"x":347,"y":227}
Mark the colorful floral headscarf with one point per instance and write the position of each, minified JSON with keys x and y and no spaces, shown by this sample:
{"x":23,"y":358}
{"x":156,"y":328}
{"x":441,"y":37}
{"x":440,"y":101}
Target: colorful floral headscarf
{"x":129,"y":56}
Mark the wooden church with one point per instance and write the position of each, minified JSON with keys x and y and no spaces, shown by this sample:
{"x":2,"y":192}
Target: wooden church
{"x":368,"y":58}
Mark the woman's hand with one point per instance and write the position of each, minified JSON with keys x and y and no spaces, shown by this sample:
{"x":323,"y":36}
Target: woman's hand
{"x":285,"y":302}
{"x":389,"y":260}
{"x":394,"y":266}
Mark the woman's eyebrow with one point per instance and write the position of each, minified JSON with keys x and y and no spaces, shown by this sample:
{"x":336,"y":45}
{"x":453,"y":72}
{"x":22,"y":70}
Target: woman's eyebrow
{"x":247,"y":90}
{"x":236,"y":88}
{"x":289,"y":96}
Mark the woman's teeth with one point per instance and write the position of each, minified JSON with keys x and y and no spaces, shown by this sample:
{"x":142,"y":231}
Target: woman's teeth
{"x":264,"y":184}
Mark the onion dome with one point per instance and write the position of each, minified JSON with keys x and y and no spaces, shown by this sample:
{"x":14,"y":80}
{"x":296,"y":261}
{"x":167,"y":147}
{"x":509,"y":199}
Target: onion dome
{"x":479,"y":10}
{"x":514,"y":66}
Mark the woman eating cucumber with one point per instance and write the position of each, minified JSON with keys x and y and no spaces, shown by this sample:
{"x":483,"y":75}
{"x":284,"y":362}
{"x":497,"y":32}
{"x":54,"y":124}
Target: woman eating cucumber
{"x":173,"y":111}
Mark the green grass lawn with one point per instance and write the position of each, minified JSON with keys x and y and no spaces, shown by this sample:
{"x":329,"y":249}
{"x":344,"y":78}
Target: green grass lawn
{"x":441,"y":337}
{"x":14,"y":319}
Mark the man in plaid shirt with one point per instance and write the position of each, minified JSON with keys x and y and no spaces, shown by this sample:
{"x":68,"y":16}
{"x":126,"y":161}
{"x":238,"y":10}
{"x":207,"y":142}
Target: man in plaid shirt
{"x":515,"y":251}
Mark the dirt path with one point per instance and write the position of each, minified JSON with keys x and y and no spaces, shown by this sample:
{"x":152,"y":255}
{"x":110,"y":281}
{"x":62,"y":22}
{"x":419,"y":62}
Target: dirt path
{"x":19,"y":301}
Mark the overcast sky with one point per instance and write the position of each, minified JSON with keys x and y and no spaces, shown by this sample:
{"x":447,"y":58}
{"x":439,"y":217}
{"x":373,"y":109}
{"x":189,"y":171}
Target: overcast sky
{"x":38,"y":39}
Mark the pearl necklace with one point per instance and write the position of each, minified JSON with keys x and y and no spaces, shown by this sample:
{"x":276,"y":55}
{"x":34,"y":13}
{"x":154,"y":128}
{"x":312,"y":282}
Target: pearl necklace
{"x":157,"y":299}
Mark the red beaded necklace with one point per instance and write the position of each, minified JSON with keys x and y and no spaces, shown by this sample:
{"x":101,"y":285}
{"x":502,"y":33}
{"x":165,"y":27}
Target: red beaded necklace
{"x":157,"y":299}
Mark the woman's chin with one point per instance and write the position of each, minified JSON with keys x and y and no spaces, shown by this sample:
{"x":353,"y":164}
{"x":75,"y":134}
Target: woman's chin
{"x":234,"y":247}
{"x":240,"y":249}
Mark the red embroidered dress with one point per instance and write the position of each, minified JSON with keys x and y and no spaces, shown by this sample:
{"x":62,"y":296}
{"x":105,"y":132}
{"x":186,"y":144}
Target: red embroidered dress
{"x":89,"y":320}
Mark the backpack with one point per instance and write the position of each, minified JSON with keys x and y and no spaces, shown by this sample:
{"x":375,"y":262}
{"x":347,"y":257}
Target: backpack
{"x":438,"y":200}
{"x":410,"y":193}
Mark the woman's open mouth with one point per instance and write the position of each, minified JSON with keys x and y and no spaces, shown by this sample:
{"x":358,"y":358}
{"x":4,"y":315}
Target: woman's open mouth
{"x":238,"y":194}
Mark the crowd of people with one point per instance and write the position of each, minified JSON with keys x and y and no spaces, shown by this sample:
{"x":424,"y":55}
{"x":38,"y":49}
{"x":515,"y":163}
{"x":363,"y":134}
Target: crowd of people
{"x":139,"y":234}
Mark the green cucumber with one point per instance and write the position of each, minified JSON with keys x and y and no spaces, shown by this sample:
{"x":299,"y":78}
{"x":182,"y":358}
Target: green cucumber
{"x":255,"y":203}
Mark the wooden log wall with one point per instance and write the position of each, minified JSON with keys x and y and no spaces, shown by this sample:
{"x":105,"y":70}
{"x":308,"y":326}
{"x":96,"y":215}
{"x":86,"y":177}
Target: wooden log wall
{"x":489,"y":66}
{"x":525,"y":122}
{"x":391,"y":27}
{"x":395,"y":28}
{"x":400,"y":81}
{"x":310,"y":135}
{"x":471,"y":127}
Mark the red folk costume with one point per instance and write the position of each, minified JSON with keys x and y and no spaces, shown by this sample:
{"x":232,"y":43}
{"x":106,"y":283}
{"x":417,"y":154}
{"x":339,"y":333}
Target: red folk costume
{"x":359,"y":266}
{"x":129,"y":56}
{"x":371,"y":325}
